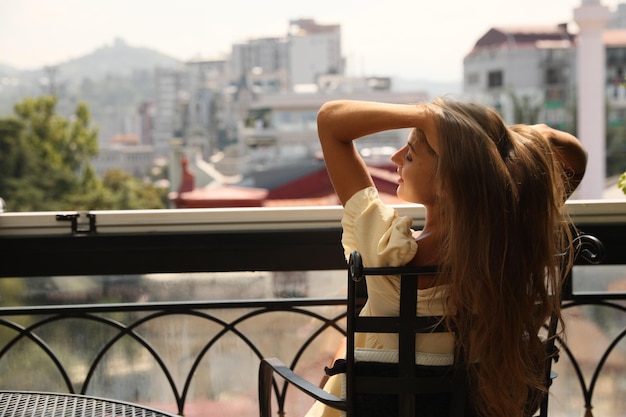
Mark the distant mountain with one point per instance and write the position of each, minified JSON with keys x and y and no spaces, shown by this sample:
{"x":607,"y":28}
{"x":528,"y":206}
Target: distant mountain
{"x":8,"y":71}
{"x":115,"y":79}
{"x":118,"y":59}
{"x":112,"y":79}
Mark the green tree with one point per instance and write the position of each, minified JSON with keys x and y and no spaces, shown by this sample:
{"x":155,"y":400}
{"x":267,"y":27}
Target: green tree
{"x":45,"y":164}
{"x":63,"y":145}
{"x":118,"y":190}
{"x":45,"y":154}
{"x":15,"y":159}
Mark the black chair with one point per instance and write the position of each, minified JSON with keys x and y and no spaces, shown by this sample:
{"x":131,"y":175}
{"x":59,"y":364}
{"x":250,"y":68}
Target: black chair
{"x":403,"y":388}
{"x":380,"y":388}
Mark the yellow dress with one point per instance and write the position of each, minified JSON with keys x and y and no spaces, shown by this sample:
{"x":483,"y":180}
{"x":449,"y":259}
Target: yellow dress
{"x":384,"y":239}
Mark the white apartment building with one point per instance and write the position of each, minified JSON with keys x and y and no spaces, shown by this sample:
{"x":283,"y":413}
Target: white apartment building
{"x":202,"y":103}
{"x":530,"y":75}
{"x":281,"y":64}
{"x":170,"y":89}
{"x":137,"y":160}
{"x":264,"y":58}
{"x":527,"y":73}
{"x":281,"y":129}
{"x":314,"y":50}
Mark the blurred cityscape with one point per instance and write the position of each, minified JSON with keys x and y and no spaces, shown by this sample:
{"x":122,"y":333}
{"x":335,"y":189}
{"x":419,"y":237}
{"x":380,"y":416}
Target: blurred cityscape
{"x":240,"y":130}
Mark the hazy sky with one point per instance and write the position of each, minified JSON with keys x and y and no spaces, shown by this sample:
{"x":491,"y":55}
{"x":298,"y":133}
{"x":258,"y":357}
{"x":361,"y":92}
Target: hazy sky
{"x":408,"y":38}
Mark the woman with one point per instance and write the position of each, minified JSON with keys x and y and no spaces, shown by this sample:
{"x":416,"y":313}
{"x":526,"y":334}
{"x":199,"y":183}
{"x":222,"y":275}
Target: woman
{"x":494,"y":198}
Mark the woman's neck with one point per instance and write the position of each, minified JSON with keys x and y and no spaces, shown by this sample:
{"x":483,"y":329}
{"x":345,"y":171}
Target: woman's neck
{"x":429,"y":241}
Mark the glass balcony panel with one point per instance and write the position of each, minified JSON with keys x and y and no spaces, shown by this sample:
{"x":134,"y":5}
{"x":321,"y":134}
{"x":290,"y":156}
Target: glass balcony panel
{"x":599,"y":279}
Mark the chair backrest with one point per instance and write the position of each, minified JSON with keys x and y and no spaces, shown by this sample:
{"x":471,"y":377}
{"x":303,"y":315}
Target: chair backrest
{"x":405,"y":387}
{"x":415,"y":390}
{"x":418,"y":388}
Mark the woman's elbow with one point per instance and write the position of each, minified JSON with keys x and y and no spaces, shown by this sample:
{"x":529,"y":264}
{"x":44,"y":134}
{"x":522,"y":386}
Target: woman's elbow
{"x":325,"y":118}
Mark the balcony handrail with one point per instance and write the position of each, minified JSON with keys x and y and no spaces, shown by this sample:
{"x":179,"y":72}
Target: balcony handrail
{"x":269,"y":304}
{"x":245,"y":219}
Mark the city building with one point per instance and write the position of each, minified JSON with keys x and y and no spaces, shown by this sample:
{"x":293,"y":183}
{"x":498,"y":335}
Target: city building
{"x":533,"y":75}
{"x":526,"y":73}
{"x":282,"y":128}
{"x":133,"y":158}
{"x":615,"y":42}
{"x":169,"y":92}
{"x":284,"y":64}
{"x":262,"y":62}
{"x":529,"y":73}
{"x":314,"y":50}
{"x":201,"y":105}
{"x":278,"y":157}
{"x":253,"y":115}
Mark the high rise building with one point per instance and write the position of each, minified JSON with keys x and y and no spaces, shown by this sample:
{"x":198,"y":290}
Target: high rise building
{"x":205,"y":80}
{"x":314,"y":50}
{"x":261,"y":64}
{"x":284,"y":64}
{"x":168,"y":117}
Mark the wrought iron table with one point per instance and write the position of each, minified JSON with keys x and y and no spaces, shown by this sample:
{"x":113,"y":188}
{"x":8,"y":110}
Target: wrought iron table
{"x":42,"y":404}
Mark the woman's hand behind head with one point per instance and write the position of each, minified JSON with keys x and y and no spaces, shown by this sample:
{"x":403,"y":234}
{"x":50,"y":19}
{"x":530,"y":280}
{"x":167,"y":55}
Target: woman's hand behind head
{"x":568,"y":151}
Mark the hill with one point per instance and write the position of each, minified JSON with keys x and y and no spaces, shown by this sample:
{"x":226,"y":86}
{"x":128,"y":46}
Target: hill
{"x":8,"y":71}
{"x":117,"y":59}
{"x":113,"y":80}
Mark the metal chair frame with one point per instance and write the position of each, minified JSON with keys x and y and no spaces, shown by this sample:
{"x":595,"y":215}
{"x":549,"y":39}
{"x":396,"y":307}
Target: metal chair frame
{"x":408,"y":382}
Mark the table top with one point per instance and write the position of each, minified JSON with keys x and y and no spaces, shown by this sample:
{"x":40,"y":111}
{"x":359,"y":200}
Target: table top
{"x":43,"y":404}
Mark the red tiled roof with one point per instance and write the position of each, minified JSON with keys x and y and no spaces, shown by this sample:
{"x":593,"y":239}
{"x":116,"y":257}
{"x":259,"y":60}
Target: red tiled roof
{"x":226,"y":196}
{"x":521,"y":37}
{"x":313,"y":189}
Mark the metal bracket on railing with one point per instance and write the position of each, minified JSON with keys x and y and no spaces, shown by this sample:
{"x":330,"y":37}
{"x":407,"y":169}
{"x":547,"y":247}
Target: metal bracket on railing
{"x":80,"y":225}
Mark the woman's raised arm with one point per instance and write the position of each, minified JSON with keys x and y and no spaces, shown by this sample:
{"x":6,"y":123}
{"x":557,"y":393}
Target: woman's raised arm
{"x":342,"y":121}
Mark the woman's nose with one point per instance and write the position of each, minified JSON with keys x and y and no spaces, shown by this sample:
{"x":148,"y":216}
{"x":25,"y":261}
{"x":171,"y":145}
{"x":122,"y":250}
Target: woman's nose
{"x":395,"y":158}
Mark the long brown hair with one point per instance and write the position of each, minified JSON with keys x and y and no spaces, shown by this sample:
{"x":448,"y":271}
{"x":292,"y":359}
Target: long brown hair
{"x":502,"y":195}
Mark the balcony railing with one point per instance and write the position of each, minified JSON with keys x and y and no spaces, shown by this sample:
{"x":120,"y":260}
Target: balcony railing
{"x":173,"y":309}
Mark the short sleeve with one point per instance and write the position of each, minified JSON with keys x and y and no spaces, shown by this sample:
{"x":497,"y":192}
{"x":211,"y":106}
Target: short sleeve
{"x":377,"y":231}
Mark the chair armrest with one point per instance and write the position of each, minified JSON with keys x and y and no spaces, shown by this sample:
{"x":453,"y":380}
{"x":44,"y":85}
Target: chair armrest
{"x":267,"y":368}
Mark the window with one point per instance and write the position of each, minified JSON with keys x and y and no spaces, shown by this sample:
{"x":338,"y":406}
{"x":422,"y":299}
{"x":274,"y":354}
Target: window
{"x":495,"y":79}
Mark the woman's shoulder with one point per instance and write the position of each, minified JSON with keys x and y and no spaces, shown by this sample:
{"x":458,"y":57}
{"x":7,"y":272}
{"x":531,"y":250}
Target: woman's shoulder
{"x":362,"y":198}
{"x":377,"y":231}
